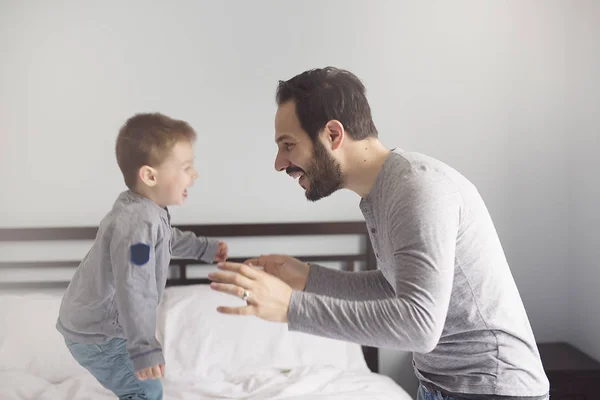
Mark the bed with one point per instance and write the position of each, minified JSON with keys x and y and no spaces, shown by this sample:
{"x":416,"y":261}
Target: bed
{"x":208,"y":355}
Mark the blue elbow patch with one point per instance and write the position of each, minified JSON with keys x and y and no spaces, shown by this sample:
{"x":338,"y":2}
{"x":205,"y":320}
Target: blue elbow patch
{"x":140,"y":253}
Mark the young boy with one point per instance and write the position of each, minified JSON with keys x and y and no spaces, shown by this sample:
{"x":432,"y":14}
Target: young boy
{"x":108,"y":313}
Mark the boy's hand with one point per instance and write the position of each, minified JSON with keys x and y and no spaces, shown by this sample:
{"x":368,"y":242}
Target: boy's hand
{"x":155,"y":372}
{"x":222,"y":252}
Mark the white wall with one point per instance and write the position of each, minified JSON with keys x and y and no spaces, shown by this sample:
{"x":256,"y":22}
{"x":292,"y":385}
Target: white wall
{"x":583,"y":130}
{"x":479,"y":85}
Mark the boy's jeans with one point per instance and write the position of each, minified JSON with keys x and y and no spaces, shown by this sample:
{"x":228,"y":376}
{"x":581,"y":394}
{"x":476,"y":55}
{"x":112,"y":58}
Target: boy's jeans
{"x":111,"y":365}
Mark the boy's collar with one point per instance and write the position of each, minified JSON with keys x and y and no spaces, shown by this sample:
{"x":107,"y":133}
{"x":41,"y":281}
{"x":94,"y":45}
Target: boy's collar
{"x":163,"y":211}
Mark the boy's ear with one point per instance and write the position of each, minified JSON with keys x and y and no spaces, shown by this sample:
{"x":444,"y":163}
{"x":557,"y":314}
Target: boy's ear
{"x":148,"y":175}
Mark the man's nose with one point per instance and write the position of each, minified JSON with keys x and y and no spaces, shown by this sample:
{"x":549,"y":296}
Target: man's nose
{"x":281,"y":162}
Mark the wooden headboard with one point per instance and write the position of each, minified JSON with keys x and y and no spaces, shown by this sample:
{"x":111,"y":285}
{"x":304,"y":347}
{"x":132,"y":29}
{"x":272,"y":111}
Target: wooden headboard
{"x":350,"y":261}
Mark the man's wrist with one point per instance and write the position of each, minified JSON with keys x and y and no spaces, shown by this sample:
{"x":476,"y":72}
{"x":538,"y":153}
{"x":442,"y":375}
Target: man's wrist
{"x":308,"y":269}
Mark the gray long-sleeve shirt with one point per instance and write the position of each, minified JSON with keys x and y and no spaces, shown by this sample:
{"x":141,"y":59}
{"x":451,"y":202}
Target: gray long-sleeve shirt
{"x":443,"y":289}
{"x":118,"y":285}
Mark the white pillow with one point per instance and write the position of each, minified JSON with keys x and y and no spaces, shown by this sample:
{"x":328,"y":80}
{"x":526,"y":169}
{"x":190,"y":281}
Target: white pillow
{"x":200,"y":343}
{"x":29,"y":341}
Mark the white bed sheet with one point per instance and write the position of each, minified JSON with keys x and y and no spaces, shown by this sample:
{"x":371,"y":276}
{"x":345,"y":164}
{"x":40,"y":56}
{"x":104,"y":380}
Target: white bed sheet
{"x":302,"y":384}
{"x":209,"y":355}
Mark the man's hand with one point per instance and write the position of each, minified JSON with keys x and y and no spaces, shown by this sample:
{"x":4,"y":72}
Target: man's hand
{"x":155,"y":372}
{"x":289,"y":269}
{"x":222,"y":252}
{"x":268,"y":297}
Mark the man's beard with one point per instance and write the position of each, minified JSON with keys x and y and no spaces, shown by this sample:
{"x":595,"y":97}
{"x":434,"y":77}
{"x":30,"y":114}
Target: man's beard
{"x":324,"y":174}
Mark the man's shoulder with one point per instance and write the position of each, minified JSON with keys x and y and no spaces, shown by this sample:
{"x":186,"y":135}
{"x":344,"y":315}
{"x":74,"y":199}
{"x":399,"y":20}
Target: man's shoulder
{"x":419,"y":168}
{"x":405,"y":169}
{"x":415,"y":161}
{"x":413,"y":177}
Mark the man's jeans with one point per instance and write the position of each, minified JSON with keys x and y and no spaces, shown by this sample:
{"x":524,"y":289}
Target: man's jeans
{"x":425,"y":394}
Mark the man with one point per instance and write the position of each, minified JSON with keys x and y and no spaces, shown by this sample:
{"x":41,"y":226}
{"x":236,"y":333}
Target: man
{"x":443,"y":289}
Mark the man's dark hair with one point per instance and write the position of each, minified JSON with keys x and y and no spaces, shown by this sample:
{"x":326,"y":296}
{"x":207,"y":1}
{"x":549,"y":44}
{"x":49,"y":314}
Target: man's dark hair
{"x":325,"y":94}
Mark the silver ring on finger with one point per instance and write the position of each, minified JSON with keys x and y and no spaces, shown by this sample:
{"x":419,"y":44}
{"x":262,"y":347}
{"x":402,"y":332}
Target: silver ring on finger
{"x":246,"y":295}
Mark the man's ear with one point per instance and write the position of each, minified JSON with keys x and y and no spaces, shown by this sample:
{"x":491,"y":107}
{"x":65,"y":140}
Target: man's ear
{"x":335,"y":134}
{"x":148,"y":175}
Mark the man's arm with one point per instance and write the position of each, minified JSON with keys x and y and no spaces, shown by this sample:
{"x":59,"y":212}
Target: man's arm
{"x":188,"y":245}
{"x":424,"y":217}
{"x":134,"y":268}
{"x":363,"y":285}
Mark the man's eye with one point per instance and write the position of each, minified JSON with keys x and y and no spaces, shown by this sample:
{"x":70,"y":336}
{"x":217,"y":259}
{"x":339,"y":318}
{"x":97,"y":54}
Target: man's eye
{"x":288,"y":146}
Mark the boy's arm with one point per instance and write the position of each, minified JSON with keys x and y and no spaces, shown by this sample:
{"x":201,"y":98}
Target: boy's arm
{"x":132,"y":252}
{"x":188,"y":245}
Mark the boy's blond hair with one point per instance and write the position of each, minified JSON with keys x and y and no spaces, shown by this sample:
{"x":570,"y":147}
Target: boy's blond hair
{"x":147,"y":139}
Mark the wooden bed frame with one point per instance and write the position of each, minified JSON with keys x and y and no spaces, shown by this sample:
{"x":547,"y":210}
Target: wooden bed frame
{"x":349,"y":261}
